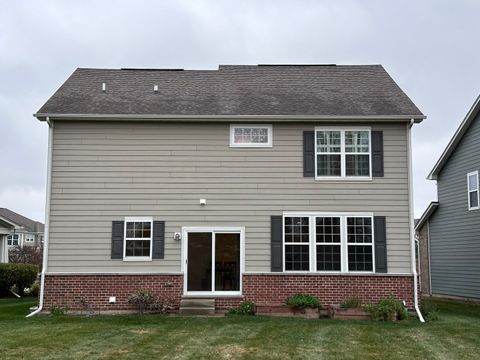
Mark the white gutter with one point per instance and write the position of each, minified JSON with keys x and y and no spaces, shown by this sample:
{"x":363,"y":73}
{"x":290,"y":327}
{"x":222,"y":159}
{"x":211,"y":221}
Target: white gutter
{"x":412,"y":234}
{"x":47,"y":219}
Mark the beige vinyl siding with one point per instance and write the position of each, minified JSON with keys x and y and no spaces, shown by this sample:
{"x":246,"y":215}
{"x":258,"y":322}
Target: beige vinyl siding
{"x":104,"y":171}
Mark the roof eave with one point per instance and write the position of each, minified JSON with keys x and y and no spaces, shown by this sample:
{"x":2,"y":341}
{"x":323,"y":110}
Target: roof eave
{"x":156,"y":117}
{"x":432,"y":207}
{"x":472,"y":113}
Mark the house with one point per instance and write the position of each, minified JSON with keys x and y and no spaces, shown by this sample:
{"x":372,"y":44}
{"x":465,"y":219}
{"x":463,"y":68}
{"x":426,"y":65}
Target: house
{"x":449,"y":230}
{"x":246,"y":182}
{"x":17,"y":230}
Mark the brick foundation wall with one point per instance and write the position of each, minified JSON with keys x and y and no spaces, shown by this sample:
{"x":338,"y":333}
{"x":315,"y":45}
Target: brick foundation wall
{"x":330,"y":289}
{"x":262,"y":289}
{"x":96,"y":289}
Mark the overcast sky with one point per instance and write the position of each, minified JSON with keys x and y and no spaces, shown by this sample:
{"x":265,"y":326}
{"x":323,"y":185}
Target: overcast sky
{"x":431,"y":48}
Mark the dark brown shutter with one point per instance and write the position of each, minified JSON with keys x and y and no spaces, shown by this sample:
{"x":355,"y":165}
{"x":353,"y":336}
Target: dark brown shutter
{"x":158,"y":251}
{"x":309,"y":154}
{"x":277,"y":241}
{"x":380,"y":235}
{"x":117,"y":239}
{"x":377,"y":154}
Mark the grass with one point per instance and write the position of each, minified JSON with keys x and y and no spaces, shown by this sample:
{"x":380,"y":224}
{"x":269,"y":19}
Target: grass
{"x":456,"y":335}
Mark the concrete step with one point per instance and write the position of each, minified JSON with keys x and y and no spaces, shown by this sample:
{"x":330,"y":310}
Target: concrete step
{"x":197,"y":303}
{"x":197,"y":311}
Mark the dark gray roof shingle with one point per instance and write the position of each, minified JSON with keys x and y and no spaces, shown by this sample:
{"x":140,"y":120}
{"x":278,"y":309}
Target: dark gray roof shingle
{"x":28,"y":224}
{"x":343,"y":90}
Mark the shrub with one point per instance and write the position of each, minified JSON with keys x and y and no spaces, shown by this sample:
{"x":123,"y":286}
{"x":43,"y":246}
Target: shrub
{"x":58,"y":310}
{"x":26,"y":255}
{"x":353,"y":302}
{"x":245,"y":308}
{"x":163,"y":306}
{"x":302,"y":301}
{"x":19,"y":275}
{"x":142,"y":300}
{"x":429,"y":311}
{"x":389,"y":309}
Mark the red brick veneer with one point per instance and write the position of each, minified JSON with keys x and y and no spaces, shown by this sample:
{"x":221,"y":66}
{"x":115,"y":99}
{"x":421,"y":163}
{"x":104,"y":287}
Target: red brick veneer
{"x":261,"y":289}
{"x":330,"y":289}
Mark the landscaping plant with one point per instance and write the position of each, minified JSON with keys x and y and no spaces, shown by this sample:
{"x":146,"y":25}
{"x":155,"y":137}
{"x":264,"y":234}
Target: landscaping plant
{"x":245,"y":308}
{"x":389,"y":309}
{"x":302,"y":301}
{"x":142,"y":300}
{"x":20,"y":276}
{"x":353,"y":302}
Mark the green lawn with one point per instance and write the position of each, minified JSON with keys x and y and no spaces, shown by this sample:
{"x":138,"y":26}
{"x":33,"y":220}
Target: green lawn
{"x":456,"y":335}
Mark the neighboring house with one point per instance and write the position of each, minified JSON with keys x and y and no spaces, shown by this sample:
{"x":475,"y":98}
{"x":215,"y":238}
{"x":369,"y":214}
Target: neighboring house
{"x":449,"y":230}
{"x":18,"y":230}
{"x":246,"y":182}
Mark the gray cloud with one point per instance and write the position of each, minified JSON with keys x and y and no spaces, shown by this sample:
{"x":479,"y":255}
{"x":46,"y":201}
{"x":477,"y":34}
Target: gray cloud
{"x":429,"y":47}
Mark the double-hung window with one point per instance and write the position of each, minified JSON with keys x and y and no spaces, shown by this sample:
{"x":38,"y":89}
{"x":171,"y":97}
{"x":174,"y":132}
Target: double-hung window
{"x":250,"y":135}
{"x":329,"y":243}
{"x":13,"y":240}
{"x":30,"y":238}
{"x":343,"y":153}
{"x":473,"y":193}
{"x":138,"y":239}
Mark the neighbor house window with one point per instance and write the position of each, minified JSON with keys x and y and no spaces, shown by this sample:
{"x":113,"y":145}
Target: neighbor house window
{"x":329,"y":243}
{"x":29,"y":238}
{"x":473,"y":193}
{"x":138,"y":238}
{"x":251,"y":135}
{"x":343,"y":153}
{"x":13,"y":240}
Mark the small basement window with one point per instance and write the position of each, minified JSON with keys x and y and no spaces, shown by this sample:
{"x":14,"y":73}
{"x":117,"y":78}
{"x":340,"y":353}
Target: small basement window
{"x":473,"y":193}
{"x":250,"y":135}
{"x":138,"y":239}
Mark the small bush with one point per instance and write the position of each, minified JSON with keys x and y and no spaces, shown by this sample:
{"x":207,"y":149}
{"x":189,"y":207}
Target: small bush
{"x":353,"y":302}
{"x":142,"y":300}
{"x":163,"y":306}
{"x":302,"y":301}
{"x":26,"y":255}
{"x":58,"y":310}
{"x":19,"y":275}
{"x":389,"y":309}
{"x":245,"y":308}
{"x":429,"y":311}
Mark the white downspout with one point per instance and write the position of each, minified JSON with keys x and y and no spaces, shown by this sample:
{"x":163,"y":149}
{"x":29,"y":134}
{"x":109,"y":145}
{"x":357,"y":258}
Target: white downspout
{"x":412,"y":236}
{"x":47,"y":219}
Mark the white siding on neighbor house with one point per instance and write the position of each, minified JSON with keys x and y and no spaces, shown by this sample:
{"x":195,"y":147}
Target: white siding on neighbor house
{"x":104,"y":171}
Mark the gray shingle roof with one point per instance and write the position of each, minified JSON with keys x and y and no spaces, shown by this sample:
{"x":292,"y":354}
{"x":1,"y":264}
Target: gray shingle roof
{"x":343,"y":90}
{"x":28,"y":224}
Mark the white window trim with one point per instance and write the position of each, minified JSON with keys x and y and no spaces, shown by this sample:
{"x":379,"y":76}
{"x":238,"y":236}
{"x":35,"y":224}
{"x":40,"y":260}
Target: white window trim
{"x":137,"y":258}
{"x":18,"y":239}
{"x":473,"y":173}
{"x":343,"y":154}
{"x":29,"y":238}
{"x":313,"y":238}
{"x":252,"y":126}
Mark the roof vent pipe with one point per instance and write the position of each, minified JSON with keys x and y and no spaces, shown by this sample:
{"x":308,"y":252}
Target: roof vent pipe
{"x":155,"y":88}
{"x":104,"y":87}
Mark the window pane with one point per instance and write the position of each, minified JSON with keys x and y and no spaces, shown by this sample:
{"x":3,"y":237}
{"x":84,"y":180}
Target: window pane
{"x":146,"y":230}
{"x":473,"y":182}
{"x":297,"y":229}
{"x":297,"y":257}
{"x":130,"y":230}
{"x":473,"y":199}
{"x":328,"y":141}
{"x":137,"y":248}
{"x":250,"y":135}
{"x":328,"y":229}
{"x":359,"y":230}
{"x":328,"y":258}
{"x":357,"y":141}
{"x":357,"y":165}
{"x":360,"y":258}
{"x":328,"y":165}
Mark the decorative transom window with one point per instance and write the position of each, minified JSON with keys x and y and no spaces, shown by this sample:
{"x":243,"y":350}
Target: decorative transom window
{"x":29,"y":238}
{"x":13,"y":240}
{"x":250,"y":135}
{"x":329,"y":243}
{"x":138,"y":238}
{"x":473,"y":193}
{"x":342,"y":153}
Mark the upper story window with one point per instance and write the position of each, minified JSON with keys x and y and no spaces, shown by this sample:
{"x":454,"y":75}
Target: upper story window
{"x":138,"y":239}
{"x":250,"y":135}
{"x":473,"y":193}
{"x":343,"y":153}
{"x":329,"y":243}
{"x":13,"y":240}
{"x":29,"y":238}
